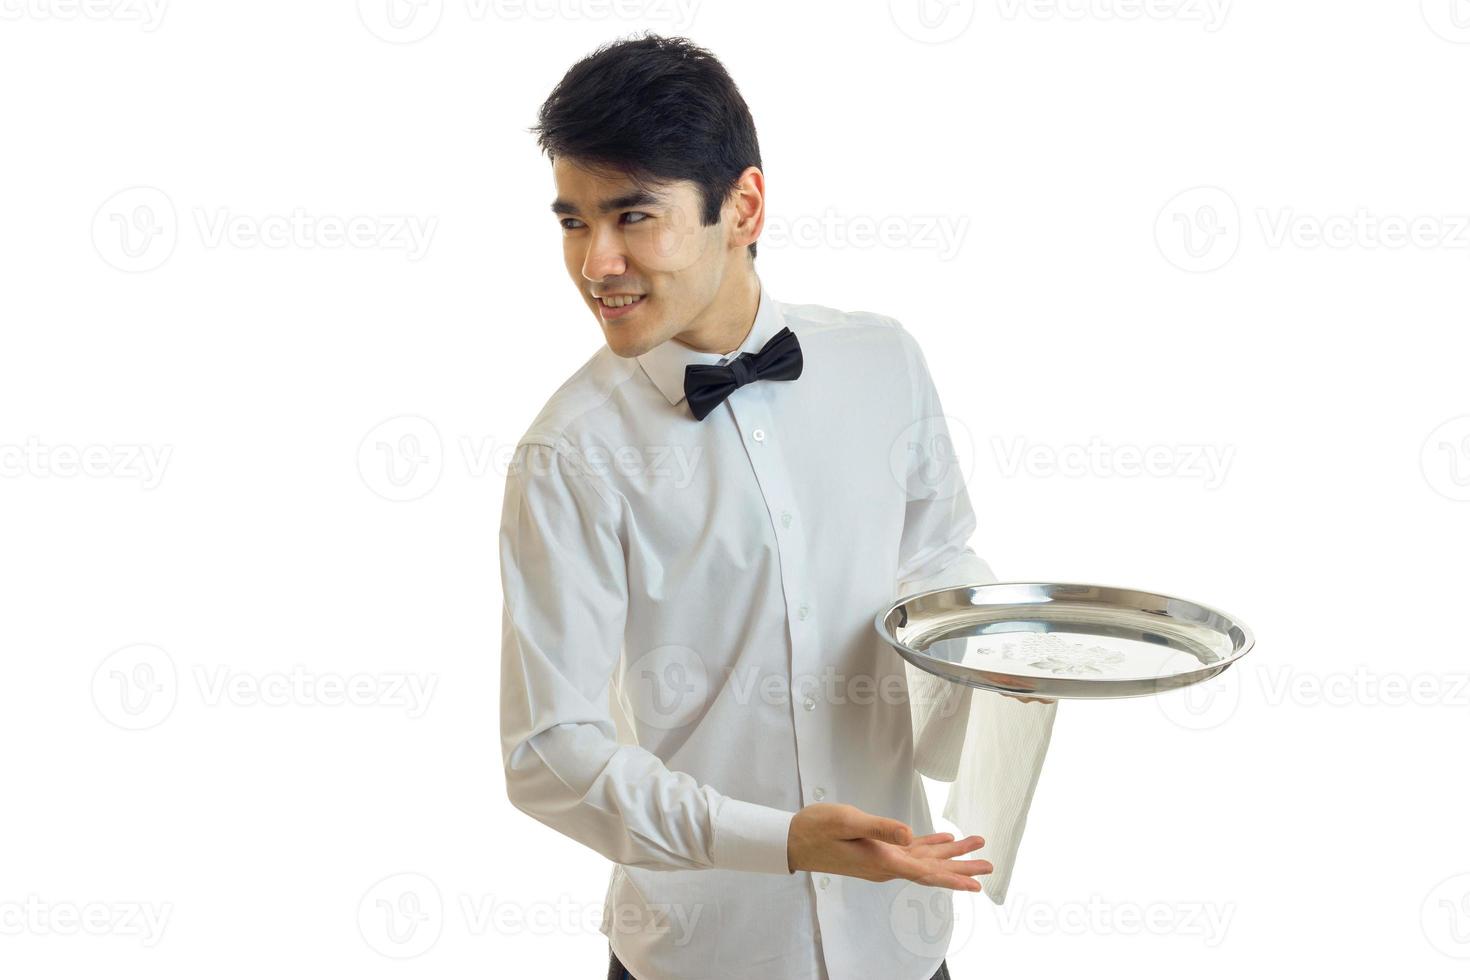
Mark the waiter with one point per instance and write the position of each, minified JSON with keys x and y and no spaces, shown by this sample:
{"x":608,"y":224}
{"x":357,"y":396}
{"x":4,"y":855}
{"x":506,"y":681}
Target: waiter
{"x":698,"y":528}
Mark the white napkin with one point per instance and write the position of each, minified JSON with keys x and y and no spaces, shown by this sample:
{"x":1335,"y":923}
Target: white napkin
{"x":989,"y":746}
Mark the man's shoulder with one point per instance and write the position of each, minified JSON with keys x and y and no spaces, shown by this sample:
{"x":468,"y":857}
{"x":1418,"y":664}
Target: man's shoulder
{"x":878,"y":334}
{"x":842,"y":324}
{"x":576,"y":402}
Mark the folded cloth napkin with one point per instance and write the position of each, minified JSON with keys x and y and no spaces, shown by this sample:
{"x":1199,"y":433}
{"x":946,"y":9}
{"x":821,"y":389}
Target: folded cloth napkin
{"x":988,"y":746}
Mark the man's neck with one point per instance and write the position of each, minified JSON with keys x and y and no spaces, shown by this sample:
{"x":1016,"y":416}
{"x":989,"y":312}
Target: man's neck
{"x":729,"y":318}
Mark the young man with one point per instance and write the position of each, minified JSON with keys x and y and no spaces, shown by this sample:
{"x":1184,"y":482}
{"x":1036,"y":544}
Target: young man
{"x":698,"y":529}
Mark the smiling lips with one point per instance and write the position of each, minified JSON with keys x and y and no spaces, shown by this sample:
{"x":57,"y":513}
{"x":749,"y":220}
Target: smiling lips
{"x":619,"y":304}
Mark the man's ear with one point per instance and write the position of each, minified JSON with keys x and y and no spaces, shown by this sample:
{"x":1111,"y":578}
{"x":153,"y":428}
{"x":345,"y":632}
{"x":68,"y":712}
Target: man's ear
{"x":745,"y":208}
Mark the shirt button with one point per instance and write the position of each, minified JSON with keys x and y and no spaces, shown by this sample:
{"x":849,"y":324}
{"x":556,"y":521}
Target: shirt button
{"x":802,"y":612}
{"x":810,"y":704}
{"x":786,"y":518}
{"x":823,"y":881}
{"x":759,"y":435}
{"x":819,"y":793}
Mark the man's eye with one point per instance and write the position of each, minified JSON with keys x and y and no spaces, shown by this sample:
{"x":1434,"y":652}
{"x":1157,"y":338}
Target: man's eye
{"x":570,"y":224}
{"x":640,"y":216}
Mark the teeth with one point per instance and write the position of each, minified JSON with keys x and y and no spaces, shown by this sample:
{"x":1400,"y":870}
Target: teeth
{"x":618,"y":301}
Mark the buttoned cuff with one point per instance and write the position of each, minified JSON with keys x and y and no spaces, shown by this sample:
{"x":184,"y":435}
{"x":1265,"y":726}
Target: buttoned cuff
{"x":751,"y":837}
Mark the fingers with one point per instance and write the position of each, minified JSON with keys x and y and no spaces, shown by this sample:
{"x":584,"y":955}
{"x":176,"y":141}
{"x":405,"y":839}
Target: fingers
{"x":952,"y":874}
{"x":972,"y":843}
{"x":893,"y":831}
{"x":947,"y":849}
{"x":947,"y":879}
{"x":933,"y":860}
{"x":856,"y":823}
{"x":930,"y":866}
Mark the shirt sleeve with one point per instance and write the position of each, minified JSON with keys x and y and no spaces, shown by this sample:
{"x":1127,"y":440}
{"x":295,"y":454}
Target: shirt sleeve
{"x":991,"y":747}
{"x":564,"y":577}
{"x":934,"y":552}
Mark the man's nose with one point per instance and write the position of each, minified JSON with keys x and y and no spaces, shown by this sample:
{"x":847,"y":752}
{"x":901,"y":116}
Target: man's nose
{"x":604,"y":255}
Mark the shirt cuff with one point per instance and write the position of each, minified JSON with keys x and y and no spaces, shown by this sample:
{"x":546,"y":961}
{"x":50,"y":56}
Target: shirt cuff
{"x":751,"y":837}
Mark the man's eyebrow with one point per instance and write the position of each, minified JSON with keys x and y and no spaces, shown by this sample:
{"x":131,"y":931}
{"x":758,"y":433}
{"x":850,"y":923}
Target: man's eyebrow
{"x":633,"y":199}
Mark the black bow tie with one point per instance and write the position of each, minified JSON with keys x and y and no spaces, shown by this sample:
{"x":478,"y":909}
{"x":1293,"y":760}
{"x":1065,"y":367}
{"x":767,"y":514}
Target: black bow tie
{"x":706,"y":385}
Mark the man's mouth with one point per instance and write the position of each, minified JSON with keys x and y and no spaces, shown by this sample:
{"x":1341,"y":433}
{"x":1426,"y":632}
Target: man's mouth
{"x":619,"y":304}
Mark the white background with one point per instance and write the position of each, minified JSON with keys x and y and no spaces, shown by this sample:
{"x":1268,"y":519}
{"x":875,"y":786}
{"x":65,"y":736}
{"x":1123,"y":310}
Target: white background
{"x":1181,"y":231}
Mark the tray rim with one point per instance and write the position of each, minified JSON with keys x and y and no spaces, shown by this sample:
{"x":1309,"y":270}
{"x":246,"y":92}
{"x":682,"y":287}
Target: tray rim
{"x":1172,"y":682}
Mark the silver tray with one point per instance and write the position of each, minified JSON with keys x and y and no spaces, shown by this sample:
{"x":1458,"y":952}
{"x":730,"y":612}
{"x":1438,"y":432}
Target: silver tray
{"x":1056,"y":640}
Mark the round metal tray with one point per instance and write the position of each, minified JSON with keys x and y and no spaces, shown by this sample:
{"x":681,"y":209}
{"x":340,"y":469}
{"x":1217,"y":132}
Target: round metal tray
{"x":1058,"y":640}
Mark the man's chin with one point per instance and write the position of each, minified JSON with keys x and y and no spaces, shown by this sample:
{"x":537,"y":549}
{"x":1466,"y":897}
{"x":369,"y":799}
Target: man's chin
{"x":627,"y":343}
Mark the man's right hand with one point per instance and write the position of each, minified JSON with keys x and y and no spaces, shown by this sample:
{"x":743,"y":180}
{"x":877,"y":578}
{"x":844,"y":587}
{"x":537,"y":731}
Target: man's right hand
{"x":841,"y":839}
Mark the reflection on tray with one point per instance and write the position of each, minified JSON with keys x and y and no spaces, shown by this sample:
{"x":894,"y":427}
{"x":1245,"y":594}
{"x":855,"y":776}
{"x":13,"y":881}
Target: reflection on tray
{"x":1199,"y":644}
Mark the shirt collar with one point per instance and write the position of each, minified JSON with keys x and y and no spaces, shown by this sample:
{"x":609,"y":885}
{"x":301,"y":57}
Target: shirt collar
{"x":665,"y":364}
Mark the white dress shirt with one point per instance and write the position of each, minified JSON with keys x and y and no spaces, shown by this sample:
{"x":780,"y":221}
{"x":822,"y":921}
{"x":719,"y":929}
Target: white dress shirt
{"x":689,"y":655}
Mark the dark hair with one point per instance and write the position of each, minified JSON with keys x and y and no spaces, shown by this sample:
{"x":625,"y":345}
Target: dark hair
{"x":656,"y":108}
